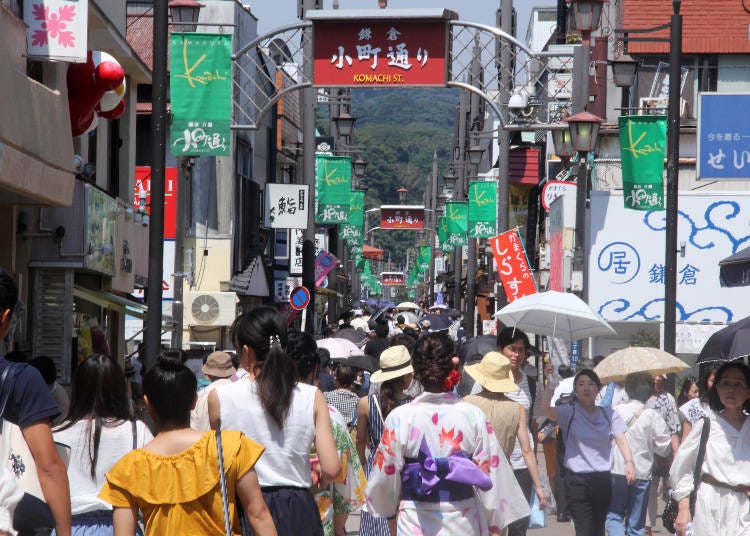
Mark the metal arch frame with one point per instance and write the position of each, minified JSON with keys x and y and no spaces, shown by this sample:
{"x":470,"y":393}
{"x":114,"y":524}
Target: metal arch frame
{"x":306,"y":26}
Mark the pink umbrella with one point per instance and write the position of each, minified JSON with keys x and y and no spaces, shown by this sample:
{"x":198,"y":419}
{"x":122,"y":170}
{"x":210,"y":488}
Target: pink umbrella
{"x":340,"y":348}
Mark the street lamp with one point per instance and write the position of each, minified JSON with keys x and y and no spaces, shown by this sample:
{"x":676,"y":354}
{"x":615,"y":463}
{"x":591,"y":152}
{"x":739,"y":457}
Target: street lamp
{"x":475,"y":153}
{"x":563,"y":145}
{"x":402,"y":195}
{"x":624,"y":69}
{"x":450,"y":181}
{"x":584,"y":129}
{"x":185,"y":14}
{"x":344,"y":124}
{"x":586,"y":14}
{"x":359,"y":167}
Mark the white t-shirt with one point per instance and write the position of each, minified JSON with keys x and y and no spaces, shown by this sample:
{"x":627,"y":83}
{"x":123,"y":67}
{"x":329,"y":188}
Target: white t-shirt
{"x":523,"y":397}
{"x":286,"y":461}
{"x":114,"y":443}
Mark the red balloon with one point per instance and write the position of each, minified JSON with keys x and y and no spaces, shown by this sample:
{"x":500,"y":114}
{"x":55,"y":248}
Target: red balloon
{"x":115,"y":112}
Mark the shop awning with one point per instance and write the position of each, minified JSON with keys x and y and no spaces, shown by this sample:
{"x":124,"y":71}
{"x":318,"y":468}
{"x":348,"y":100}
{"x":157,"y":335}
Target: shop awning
{"x":111,"y":301}
{"x":252,"y":281}
{"x":734,"y":271}
{"x":371,"y":252}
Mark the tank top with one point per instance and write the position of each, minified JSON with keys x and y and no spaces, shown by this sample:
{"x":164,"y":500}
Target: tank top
{"x":286,"y":461}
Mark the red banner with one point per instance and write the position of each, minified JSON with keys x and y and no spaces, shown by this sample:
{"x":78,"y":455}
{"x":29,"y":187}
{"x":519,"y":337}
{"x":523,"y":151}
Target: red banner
{"x":392,"y":278}
{"x":143,"y":183}
{"x":380,"y":52}
{"x":401,"y":217}
{"x":512,"y":265}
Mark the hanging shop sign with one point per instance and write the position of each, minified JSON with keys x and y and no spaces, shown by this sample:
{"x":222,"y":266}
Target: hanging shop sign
{"x":200,"y":83}
{"x":56,"y":30}
{"x":393,"y":278}
{"x":296,"y":242}
{"x":554,"y":189}
{"x":642,"y":142}
{"x":286,"y":206}
{"x":457,"y":222}
{"x":402,"y":217}
{"x":324,"y":263}
{"x":512,"y":265}
{"x":380,"y":52}
{"x":482,"y":209}
{"x":333,"y":188}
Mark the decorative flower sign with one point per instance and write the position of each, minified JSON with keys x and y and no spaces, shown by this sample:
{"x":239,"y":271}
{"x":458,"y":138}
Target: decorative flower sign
{"x":56,"y":29}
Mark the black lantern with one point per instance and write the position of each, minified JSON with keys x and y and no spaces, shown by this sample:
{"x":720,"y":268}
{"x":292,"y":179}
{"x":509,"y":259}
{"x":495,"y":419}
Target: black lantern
{"x":475,"y":153}
{"x":402,"y":195}
{"x":359,"y":167}
{"x":344,"y":124}
{"x":586,"y":14}
{"x":584,"y":130}
{"x":450,"y":181}
{"x":185,"y":14}
{"x":624,"y":69}
{"x":562,"y":143}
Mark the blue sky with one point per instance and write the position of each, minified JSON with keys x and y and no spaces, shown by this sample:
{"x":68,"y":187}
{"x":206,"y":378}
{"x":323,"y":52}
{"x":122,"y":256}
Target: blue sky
{"x":275,"y":13}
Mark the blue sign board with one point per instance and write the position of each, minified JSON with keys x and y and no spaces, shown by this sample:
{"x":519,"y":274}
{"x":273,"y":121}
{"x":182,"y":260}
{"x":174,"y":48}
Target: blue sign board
{"x":724,"y":136}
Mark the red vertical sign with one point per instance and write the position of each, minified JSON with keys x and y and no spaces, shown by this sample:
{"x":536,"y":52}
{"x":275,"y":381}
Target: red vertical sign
{"x":512,"y":265}
{"x":143,"y":183}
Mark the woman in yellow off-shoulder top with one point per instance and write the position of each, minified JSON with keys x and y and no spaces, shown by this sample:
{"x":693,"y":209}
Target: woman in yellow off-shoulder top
{"x":174,"y":479}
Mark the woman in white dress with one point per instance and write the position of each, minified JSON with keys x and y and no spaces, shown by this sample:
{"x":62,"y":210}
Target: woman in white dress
{"x":722,"y":505}
{"x":100,"y":430}
{"x":439,"y":467}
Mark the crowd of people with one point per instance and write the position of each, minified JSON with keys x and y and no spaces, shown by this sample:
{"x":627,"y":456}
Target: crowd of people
{"x":280,"y":439}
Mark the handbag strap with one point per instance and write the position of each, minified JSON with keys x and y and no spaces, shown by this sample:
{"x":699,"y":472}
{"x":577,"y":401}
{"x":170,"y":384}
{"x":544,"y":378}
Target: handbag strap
{"x":7,"y":378}
{"x":135,"y":435}
{"x":223,"y":485}
{"x":699,"y":462}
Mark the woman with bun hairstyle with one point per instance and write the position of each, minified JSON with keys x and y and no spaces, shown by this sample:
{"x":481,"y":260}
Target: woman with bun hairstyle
{"x":439,"y":467}
{"x":174,"y":479}
{"x":284,"y":415}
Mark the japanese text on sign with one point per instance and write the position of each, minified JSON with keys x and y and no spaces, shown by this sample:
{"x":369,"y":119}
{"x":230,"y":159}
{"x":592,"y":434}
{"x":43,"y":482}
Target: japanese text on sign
{"x":512,"y":265}
{"x":377,"y":52}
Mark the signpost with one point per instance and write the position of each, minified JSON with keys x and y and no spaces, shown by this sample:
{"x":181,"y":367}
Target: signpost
{"x":299,"y":298}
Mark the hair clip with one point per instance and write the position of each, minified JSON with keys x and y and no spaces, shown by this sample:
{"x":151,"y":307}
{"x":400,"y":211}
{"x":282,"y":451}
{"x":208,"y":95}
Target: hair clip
{"x":273,"y":339}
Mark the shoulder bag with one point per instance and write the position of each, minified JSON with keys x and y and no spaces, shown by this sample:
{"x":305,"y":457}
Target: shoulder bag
{"x":32,"y":513}
{"x":244,"y":525}
{"x":669,"y":515}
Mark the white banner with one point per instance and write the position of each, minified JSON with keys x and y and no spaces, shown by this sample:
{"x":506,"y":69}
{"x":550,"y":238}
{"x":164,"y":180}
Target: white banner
{"x":626,"y":259}
{"x":56,"y":29}
{"x":282,"y":288}
{"x":286,"y":206}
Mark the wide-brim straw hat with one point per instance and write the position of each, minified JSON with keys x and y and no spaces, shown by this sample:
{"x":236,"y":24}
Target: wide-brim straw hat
{"x":219,"y":365}
{"x":493,"y":373}
{"x":394,"y":362}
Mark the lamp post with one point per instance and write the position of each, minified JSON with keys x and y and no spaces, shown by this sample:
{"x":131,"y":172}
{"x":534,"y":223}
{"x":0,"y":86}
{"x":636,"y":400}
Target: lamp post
{"x":624,"y":69}
{"x":402,"y":193}
{"x":673,"y":161}
{"x":185,"y":14}
{"x":152,"y":336}
{"x":584,"y":130}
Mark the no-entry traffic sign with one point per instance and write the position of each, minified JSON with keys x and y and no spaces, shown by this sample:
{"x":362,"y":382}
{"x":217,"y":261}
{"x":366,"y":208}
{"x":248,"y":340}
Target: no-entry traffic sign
{"x":299,"y":298}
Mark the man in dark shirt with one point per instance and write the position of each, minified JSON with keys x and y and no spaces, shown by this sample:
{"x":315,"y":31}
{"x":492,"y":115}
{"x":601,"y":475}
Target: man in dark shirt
{"x":375,"y":346}
{"x":31,"y":407}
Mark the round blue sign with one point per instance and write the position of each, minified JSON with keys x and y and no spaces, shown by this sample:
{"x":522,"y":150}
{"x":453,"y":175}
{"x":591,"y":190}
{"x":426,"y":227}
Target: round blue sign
{"x":299,"y":298}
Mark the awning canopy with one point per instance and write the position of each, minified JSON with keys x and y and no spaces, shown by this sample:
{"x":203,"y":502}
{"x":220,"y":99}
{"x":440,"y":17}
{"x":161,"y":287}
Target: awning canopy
{"x":252,"y":281}
{"x":108,"y":300}
{"x":734,"y":271}
{"x":370,"y":252}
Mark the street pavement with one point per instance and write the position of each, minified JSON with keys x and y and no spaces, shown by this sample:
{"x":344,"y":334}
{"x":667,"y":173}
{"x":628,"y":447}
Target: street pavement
{"x":553,"y":528}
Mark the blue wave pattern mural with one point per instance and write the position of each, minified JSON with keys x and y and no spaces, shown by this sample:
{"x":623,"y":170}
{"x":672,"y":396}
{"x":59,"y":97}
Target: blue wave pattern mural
{"x":720,"y":230}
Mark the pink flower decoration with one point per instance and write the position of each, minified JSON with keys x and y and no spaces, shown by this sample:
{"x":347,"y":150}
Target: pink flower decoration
{"x":435,"y":418}
{"x":389,"y":469}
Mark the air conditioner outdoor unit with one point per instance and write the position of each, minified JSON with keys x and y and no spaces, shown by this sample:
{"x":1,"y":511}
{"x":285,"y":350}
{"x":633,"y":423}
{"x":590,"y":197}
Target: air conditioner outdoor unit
{"x":210,"y":308}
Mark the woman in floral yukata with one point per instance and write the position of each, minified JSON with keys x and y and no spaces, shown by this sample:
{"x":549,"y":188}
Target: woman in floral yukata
{"x":439,"y":466}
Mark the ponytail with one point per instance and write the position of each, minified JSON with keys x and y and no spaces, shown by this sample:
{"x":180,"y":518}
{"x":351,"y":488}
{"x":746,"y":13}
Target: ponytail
{"x":264,"y":330}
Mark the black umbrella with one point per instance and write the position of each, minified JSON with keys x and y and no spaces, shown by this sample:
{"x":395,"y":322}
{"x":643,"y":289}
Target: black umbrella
{"x":437,"y":322}
{"x":734,"y":271}
{"x":364,"y":362}
{"x":356,"y":336}
{"x":474,"y":349}
{"x":728,"y":344}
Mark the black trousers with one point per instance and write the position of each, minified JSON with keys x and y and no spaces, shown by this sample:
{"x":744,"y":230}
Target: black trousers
{"x":589,"y":495}
{"x":518,"y":528}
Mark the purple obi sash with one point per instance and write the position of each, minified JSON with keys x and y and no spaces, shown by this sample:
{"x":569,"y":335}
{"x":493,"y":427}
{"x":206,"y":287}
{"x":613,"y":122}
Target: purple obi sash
{"x":441,"y":479}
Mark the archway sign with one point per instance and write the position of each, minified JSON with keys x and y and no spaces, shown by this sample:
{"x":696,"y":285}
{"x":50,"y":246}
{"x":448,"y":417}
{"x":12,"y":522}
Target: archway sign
{"x":401,"y":48}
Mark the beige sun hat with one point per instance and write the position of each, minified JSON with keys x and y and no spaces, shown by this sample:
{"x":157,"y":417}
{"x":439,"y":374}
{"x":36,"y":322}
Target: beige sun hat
{"x":394,"y":362}
{"x":219,"y":364}
{"x":493,"y":373}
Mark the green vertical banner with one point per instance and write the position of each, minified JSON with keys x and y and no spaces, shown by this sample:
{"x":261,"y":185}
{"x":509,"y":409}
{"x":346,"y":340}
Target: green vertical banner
{"x":642,"y":142}
{"x":200,"y":83}
{"x":423,"y":261}
{"x":353,"y":232}
{"x":333,"y":188}
{"x":482,"y":209}
{"x":457,"y":216}
{"x":442,"y":228}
